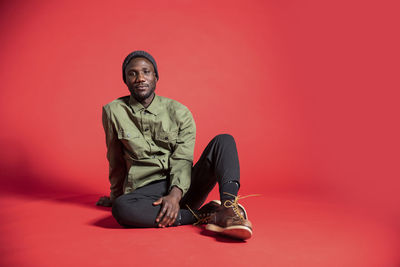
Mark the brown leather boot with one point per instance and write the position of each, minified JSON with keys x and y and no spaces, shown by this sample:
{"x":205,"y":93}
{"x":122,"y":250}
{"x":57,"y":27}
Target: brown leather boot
{"x":230,"y":219}
{"x":204,"y":214}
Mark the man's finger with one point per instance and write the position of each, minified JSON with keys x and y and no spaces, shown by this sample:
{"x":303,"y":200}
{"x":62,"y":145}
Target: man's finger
{"x":161,"y":214}
{"x":173,"y":219}
{"x":101,"y":200}
{"x":174,"y":216}
{"x":170,"y":217}
{"x":167,"y":217}
{"x":104,"y":201}
{"x":163,"y":218}
{"x":158,"y":202}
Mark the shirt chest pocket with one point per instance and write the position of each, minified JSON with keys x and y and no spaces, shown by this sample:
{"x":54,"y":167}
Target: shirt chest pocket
{"x":133,"y":142}
{"x":166,"y":139}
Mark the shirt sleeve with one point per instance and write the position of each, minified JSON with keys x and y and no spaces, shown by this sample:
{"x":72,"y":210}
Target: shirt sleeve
{"x":181,"y":160}
{"x":117,"y":167}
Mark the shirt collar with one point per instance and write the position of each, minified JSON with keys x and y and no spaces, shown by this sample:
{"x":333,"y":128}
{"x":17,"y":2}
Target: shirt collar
{"x":153,"y":108}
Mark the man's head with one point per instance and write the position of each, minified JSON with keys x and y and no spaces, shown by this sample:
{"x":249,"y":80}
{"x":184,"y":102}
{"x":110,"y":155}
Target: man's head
{"x":140,"y":74}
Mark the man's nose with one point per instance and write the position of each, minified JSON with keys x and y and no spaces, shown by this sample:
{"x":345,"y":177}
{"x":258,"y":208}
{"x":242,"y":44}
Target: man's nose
{"x":140,"y":77}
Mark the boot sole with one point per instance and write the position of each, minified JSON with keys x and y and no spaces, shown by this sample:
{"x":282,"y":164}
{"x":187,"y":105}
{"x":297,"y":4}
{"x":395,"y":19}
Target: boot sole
{"x":236,"y":231}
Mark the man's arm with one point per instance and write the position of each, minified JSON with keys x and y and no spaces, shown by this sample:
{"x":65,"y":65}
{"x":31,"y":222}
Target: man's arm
{"x":181,"y":162}
{"x":117,"y":168}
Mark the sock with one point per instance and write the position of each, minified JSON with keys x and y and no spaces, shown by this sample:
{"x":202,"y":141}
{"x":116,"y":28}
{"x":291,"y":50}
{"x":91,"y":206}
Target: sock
{"x":186,"y":217}
{"x":231,"y":187}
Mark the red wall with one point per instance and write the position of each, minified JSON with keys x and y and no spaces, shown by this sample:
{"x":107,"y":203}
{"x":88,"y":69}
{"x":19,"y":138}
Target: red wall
{"x":308,"y":88}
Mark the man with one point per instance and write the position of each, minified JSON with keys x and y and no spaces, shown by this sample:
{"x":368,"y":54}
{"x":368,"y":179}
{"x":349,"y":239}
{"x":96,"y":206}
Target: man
{"x":150,"y":141}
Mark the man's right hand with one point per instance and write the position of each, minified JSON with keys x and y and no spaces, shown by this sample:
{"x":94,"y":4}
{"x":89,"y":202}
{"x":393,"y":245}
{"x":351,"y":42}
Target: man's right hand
{"x":104,"y":201}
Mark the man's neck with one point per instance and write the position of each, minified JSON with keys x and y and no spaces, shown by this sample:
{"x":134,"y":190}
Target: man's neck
{"x":146,"y":102}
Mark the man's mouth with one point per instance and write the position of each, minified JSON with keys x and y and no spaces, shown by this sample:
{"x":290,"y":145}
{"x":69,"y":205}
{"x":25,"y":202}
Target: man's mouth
{"x":141,"y":86}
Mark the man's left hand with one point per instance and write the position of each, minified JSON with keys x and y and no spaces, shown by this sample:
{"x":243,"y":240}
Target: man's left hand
{"x":104,"y":201}
{"x":170,"y":207}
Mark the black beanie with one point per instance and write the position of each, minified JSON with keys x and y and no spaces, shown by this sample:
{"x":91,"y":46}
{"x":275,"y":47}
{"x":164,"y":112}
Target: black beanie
{"x":135,"y":54}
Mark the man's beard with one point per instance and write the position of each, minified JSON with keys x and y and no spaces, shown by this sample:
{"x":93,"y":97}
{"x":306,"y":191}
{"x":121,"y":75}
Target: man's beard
{"x":140,"y":97}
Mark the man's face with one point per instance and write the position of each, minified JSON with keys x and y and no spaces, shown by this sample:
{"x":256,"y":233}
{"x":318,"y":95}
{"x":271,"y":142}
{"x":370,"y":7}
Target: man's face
{"x":140,"y":78}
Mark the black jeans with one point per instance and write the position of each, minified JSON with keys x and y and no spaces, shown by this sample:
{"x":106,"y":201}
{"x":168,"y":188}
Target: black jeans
{"x":219,"y":162}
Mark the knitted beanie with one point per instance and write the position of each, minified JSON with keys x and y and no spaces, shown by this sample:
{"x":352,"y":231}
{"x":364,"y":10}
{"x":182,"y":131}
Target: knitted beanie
{"x":135,"y":54}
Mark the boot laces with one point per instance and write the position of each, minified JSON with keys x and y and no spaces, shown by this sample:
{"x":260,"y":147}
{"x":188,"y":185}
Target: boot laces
{"x":235,"y":205}
{"x":228,"y":204}
{"x":200,"y":219}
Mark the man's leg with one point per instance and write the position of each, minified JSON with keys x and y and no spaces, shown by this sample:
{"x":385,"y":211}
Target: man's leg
{"x":219,"y":163}
{"x":136,"y":209}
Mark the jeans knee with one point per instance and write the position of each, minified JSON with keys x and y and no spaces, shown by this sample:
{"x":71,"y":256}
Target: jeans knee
{"x":123,"y":211}
{"x":118,"y":208}
{"x":225,"y":139}
{"x":133,"y":212}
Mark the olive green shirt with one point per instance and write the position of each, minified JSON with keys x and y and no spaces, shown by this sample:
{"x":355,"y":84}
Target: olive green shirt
{"x":148,"y":144}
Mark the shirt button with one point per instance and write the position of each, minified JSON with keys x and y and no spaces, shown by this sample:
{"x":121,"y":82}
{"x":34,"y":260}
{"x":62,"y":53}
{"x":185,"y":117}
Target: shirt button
{"x":146,"y":129}
{"x":152,"y":144}
{"x":163,"y":160}
{"x":166,"y":138}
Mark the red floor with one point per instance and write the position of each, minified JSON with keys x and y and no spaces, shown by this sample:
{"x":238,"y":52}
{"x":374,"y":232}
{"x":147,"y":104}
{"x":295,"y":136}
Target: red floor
{"x":71,"y":231}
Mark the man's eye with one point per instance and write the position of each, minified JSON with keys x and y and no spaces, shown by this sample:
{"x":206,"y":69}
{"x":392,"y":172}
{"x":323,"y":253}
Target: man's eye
{"x":132,"y":74}
{"x":147,"y":72}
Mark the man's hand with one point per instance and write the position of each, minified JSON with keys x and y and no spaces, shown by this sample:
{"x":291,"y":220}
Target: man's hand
{"x":170,"y":207}
{"x":104,"y":201}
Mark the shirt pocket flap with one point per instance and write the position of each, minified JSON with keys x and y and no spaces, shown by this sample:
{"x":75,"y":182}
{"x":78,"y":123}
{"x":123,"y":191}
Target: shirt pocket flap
{"x":167,"y":136}
{"x":127,"y":134}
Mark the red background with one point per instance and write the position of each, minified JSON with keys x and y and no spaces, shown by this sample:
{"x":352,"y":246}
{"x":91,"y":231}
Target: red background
{"x":309,"y":89}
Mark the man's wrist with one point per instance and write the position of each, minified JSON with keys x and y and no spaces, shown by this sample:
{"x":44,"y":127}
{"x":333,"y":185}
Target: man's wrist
{"x":176,"y":192}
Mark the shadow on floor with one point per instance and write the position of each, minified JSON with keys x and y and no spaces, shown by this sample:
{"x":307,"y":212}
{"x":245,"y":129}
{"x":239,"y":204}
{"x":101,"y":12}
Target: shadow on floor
{"x":218,"y":237}
{"x":107,"y":222}
{"x":19,"y":178}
